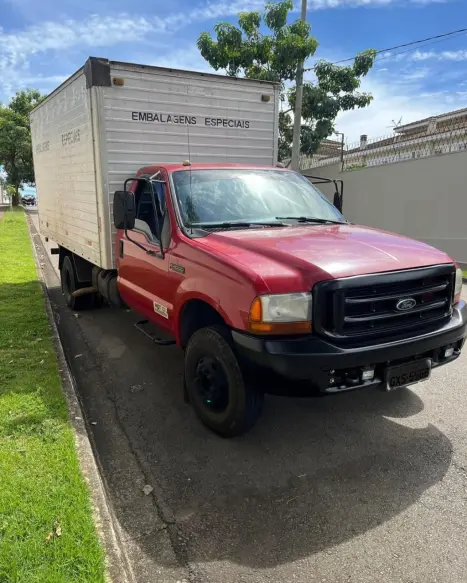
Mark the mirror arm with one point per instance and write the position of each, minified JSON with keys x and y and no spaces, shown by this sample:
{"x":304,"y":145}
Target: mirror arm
{"x":341,"y":193}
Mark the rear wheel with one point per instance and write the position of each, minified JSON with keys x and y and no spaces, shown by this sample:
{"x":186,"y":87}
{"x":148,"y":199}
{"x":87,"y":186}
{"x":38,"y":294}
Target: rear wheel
{"x":70,"y":284}
{"x":222,"y":399}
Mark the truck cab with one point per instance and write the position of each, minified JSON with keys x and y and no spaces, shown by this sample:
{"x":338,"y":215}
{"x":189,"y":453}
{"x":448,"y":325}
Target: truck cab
{"x":260,"y":280}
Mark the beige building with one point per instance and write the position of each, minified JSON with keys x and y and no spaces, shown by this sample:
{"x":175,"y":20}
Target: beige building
{"x":328,"y":149}
{"x":431,"y":136}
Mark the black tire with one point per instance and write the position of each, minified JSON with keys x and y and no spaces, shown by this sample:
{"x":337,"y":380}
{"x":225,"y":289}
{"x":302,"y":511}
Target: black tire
{"x":115,"y":299}
{"x":234,"y":406}
{"x":69,"y":285}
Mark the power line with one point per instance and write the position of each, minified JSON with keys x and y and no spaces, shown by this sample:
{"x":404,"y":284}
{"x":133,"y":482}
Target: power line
{"x":415,"y":42}
{"x":409,"y":44}
{"x":420,"y":46}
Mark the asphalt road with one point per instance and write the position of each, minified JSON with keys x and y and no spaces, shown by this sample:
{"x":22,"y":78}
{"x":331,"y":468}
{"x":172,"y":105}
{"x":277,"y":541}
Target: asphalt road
{"x":363,"y":487}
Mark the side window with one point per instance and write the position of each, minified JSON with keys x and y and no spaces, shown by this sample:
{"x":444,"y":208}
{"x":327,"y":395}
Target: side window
{"x":146,"y":217}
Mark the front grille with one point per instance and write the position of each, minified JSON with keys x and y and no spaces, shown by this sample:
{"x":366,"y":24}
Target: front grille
{"x":372,"y":306}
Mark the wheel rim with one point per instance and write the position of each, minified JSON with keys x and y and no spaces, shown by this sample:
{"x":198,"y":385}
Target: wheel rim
{"x":212,"y":384}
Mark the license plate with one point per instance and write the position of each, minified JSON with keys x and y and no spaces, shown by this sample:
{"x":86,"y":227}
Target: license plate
{"x":408,"y":374}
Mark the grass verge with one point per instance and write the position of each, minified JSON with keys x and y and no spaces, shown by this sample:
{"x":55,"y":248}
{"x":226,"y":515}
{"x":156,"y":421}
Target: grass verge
{"x":47,"y":533}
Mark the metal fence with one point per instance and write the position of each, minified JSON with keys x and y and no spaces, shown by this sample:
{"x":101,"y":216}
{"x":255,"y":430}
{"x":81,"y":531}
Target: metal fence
{"x":431,"y":137}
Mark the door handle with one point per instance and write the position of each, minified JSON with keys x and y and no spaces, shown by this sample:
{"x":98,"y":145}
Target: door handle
{"x":121,"y":248}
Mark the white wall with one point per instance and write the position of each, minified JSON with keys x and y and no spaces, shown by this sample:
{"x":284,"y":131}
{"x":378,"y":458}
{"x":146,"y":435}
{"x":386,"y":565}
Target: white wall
{"x":425,"y":199}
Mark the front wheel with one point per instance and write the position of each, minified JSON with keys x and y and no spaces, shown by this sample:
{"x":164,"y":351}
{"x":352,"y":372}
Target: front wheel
{"x":222,"y":399}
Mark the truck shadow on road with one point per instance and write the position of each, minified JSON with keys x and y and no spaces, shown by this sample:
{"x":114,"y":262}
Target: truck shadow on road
{"x":325,"y":473}
{"x":313,"y":473}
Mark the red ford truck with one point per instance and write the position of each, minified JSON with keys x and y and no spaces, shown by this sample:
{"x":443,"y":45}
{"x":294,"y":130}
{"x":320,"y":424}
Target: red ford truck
{"x":246,"y":266}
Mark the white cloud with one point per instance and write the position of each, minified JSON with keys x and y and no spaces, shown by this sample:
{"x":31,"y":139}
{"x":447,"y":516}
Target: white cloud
{"x":98,"y":31}
{"x":188,"y":58}
{"x":18,"y":48}
{"x":439,"y":56}
{"x":212,"y":10}
{"x":325,"y":4}
{"x":420,"y":56}
{"x":94,"y":31}
{"x":415,"y":75}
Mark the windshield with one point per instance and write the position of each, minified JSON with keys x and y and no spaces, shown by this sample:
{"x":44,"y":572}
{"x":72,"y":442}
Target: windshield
{"x":244,"y":195}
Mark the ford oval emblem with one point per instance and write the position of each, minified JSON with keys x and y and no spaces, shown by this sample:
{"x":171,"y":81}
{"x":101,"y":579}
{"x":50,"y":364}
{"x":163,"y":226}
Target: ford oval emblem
{"x":405,"y":304}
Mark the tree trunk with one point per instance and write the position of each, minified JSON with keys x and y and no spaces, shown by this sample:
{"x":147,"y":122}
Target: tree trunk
{"x":15,"y":197}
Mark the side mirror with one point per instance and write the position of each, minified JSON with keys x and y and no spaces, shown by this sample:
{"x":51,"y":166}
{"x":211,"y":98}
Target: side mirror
{"x":124,"y":210}
{"x":337,"y":202}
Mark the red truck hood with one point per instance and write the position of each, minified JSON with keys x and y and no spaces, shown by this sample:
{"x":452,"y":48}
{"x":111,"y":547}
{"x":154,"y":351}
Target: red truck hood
{"x":285,"y":258}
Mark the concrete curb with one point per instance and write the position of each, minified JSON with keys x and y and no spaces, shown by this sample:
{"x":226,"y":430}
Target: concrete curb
{"x":118,"y":569}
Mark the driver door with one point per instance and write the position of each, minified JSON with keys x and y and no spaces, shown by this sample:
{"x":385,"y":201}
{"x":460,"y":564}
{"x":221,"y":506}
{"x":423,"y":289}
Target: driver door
{"x":144,"y":277}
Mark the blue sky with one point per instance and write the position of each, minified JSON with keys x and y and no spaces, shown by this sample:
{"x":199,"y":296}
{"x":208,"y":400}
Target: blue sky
{"x":41,"y":43}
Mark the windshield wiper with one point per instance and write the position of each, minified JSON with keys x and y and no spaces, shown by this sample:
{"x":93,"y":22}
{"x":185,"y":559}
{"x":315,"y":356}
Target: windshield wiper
{"x":242,"y":224}
{"x":312,"y":220}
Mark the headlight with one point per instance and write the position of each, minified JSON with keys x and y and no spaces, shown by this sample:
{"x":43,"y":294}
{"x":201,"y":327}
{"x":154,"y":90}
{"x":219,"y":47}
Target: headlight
{"x":458,"y":286}
{"x":281,"y":314}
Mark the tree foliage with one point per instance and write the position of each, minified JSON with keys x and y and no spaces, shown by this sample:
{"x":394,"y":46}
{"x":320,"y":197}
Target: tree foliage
{"x":246,"y":51}
{"x":15,"y":139}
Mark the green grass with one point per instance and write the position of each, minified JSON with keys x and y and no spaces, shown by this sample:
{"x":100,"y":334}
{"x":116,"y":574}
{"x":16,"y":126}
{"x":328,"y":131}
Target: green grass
{"x":42,"y":490}
{"x":464,"y":273}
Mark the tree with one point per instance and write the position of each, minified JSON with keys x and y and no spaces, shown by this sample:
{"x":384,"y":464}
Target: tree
{"x":245,"y":50}
{"x":15,"y":139}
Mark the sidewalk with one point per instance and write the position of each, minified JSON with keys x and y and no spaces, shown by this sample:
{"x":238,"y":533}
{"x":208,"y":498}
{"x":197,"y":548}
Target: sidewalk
{"x":48,"y":245}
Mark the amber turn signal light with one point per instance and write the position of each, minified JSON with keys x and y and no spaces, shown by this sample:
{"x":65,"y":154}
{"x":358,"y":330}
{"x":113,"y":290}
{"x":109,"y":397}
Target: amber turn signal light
{"x":279,"y":328}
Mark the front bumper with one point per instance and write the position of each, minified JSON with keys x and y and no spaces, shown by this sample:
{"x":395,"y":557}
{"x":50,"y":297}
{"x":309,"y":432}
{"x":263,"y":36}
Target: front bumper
{"x":320,"y":362}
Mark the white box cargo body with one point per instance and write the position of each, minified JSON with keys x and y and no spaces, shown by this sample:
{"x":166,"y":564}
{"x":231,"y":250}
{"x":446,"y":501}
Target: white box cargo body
{"x":109,"y":119}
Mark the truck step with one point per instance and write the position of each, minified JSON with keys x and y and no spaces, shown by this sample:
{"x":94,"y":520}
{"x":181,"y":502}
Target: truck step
{"x":140,"y":326}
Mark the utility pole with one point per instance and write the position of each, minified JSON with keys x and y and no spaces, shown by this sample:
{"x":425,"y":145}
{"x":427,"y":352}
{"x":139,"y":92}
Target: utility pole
{"x":298,"y":106}
{"x":341,"y":134}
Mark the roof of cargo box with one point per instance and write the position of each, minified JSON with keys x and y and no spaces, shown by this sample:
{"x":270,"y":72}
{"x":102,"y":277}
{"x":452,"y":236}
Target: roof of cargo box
{"x":97,"y":72}
{"x":201,"y":73}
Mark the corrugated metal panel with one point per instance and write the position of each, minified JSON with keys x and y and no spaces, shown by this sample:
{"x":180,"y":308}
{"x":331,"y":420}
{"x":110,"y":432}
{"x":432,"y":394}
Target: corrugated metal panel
{"x":168,"y":116}
{"x":65,"y":171}
{"x":164,"y":116}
